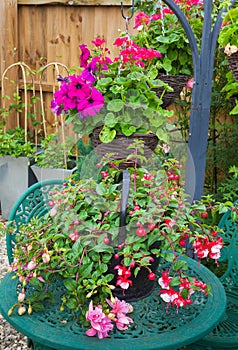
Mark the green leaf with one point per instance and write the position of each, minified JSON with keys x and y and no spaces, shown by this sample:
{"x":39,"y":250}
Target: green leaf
{"x":110,"y":120}
{"x":128,"y":130}
{"x":103,"y":268}
{"x":70,"y":284}
{"x":107,"y":135}
{"x":115,"y":105}
{"x":72,"y":303}
{"x":162,"y":135}
{"x":180,"y":264}
{"x":103,"y":248}
{"x":100,"y":189}
{"x":175,"y":281}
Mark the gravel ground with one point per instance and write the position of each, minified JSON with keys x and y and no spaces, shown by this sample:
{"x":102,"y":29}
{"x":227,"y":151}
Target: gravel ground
{"x":10,"y":339}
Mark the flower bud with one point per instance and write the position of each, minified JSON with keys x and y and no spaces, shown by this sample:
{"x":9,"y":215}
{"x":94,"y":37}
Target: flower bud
{"x":29,"y":311}
{"x":21,"y":310}
{"x":21,"y":296}
{"x":10,"y":312}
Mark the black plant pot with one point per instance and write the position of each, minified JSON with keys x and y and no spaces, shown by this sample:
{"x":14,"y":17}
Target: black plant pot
{"x":141,"y":287}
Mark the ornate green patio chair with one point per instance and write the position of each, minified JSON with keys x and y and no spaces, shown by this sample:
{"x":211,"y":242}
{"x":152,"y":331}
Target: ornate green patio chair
{"x":225,"y":335}
{"x":32,"y":203}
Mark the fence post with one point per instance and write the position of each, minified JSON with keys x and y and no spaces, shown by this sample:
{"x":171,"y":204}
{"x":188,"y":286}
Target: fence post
{"x":8,"y":40}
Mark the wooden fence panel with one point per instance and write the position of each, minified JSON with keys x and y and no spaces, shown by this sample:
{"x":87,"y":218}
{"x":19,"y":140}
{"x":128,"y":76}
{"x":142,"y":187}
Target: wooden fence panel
{"x":38,"y":32}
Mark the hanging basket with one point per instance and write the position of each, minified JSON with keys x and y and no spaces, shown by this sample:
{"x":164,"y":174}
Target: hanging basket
{"x":176,"y":82}
{"x":233,"y":64}
{"x":119,"y":146}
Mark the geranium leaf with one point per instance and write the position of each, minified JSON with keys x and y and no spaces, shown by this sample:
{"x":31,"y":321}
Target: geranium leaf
{"x":115,"y":105}
{"x":110,"y":120}
{"x":107,"y":135}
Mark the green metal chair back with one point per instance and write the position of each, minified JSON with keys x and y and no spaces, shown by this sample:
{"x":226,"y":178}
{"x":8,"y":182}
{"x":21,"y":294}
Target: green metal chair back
{"x":225,"y":335}
{"x":33,"y":203}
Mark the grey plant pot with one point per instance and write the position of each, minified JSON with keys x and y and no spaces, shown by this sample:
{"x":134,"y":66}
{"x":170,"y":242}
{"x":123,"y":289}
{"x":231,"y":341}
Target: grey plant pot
{"x":15,"y":177}
{"x":51,"y":173}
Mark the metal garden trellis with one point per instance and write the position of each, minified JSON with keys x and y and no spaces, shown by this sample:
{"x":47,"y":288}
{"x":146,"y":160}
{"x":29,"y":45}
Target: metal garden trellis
{"x":203,"y":63}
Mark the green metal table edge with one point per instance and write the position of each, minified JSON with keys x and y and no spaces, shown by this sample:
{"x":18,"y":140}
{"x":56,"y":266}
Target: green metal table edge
{"x":61,"y":339}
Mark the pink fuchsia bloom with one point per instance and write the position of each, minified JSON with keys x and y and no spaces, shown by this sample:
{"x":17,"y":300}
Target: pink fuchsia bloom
{"x":119,"y":309}
{"x":31,"y":265}
{"x":21,"y":296}
{"x":46,"y":257}
{"x":74,"y":236}
{"x":100,"y":323}
{"x":119,"y":306}
{"x":190,"y":84}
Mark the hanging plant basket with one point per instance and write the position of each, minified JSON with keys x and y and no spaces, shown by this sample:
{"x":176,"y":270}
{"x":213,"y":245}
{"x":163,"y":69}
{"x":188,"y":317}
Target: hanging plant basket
{"x":119,"y":146}
{"x":233,"y":64}
{"x":176,"y":82}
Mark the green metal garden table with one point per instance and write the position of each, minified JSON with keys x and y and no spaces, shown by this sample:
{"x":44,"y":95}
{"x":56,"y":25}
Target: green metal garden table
{"x":154,"y":326}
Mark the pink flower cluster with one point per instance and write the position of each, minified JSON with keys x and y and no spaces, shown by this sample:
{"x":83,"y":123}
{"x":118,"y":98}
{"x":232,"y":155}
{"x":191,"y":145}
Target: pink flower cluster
{"x":186,"y":288}
{"x":142,"y":19}
{"x":77,"y":92}
{"x":205,"y":248}
{"x":79,"y":95}
{"x":133,"y":53}
{"x":102,"y":324}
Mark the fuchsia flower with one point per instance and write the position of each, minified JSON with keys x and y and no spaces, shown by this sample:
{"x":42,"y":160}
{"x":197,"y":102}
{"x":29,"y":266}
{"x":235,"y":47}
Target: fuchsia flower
{"x":119,"y":310}
{"x":123,"y":276}
{"x":164,"y":280}
{"x":205,"y":248}
{"x":175,"y":298}
{"x":100,"y":323}
{"x":74,"y":236}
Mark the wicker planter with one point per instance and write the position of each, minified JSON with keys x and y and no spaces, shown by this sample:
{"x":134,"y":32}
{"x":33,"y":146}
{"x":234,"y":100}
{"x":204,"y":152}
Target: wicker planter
{"x":177,"y":82}
{"x":119,"y":146}
{"x":233,"y":64}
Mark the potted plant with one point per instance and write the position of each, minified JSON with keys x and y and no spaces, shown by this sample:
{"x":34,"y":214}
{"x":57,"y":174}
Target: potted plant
{"x":57,"y":160}
{"x":79,"y":244}
{"x":114,"y":98}
{"x":228,"y":39}
{"x":16,"y":154}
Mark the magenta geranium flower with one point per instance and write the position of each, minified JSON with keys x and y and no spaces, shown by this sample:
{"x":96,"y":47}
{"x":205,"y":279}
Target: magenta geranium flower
{"x":85,"y":54}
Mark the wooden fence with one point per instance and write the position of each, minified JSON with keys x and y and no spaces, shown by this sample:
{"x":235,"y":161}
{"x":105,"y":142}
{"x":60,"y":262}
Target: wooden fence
{"x":38,"y":32}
